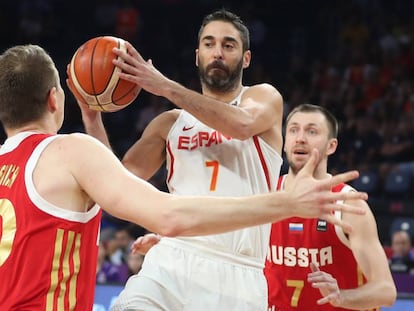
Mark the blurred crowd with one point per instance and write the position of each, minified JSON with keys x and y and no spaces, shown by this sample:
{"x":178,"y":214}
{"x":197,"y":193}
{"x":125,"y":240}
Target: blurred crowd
{"x":354,"y":57}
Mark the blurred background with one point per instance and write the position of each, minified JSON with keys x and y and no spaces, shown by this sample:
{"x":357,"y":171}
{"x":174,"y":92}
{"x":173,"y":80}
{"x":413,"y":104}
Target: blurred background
{"x":355,"y":57}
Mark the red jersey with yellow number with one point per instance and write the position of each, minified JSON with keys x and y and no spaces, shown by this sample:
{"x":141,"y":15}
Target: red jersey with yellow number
{"x":47,"y":254}
{"x":295,"y":243}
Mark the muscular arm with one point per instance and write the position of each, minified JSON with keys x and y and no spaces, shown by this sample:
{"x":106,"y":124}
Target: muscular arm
{"x":379,"y":290}
{"x":369,"y":254}
{"x":88,"y":170}
{"x":146,"y":156}
{"x":260,"y":110}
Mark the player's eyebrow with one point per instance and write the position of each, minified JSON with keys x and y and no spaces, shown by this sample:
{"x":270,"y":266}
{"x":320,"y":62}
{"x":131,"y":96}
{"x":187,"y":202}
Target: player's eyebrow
{"x":226,"y":38}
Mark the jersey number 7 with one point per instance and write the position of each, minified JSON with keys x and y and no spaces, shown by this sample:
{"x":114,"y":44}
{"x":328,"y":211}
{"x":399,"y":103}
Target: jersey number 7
{"x":215,"y":166}
{"x":298,"y":286}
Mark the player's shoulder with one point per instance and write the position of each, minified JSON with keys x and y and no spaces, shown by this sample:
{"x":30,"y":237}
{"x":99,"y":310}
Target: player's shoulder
{"x":168,"y":115}
{"x":266,"y":90}
{"x":172,"y":113}
{"x":263,"y":87}
{"x":74,"y":137}
{"x":69,"y":150}
{"x":164,"y":120}
{"x":73,"y":142}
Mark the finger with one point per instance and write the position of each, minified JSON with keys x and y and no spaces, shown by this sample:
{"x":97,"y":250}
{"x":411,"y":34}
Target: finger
{"x":320,"y":285}
{"x":343,"y":178}
{"x":347,"y":208}
{"x":147,"y":240}
{"x":347,"y":227}
{"x":324,"y":300}
{"x":137,"y":242}
{"x":75,"y":93}
{"x":130,"y":54}
{"x":124,"y":58}
{"x":69,"y":83}
{"x":311,"y":164}
{"x":127,"y":71}
{"x":134,"y":250}
{"x":331,"y":204}
{"x":68,"y":70}
{"x":73,"y":89}
{"x":321,"y":277}
{"x":327,"y":285}
{"x":347,"y":196}
{"x":314,"y":267}
{"x":133,"y":52}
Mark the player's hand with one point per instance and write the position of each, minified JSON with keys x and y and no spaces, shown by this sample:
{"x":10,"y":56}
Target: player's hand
{"x":314,"y":198}
{"x":143,"y":244}
{"x":135,"y":69}
{"x":87,"y":114}
{"x":79,"y":98}
{"x":327,"y":285}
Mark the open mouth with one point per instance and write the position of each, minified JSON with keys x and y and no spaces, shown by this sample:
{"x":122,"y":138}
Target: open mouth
{"x":300,"y":152}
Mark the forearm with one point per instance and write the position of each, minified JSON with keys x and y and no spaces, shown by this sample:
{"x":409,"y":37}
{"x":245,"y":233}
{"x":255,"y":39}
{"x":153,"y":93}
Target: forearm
{"x":225,"y":118}
{"x":368,"y":296}
{"x":94,"y":126}
{"x":211,"y":215}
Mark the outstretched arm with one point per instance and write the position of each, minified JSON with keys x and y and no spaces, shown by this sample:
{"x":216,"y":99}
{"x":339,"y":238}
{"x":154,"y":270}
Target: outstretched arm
{"x":89,"y":172}
{"x":379,"y":290}
{"x":127,"y":197}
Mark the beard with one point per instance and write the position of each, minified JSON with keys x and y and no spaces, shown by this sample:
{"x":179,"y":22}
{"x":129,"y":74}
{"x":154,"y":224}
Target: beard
{"x":218,"y":77}
{"x":295,"y":168}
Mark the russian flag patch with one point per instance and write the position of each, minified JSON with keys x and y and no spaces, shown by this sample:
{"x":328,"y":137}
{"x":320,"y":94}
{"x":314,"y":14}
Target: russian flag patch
{"x":295,"y":226}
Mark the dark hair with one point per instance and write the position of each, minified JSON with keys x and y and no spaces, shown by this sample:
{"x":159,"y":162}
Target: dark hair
{"x":330,"y":118}
{"x":27,"y":73}
{"x":229,"y":17}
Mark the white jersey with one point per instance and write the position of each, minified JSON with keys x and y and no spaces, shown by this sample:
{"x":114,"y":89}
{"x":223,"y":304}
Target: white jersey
{"x":203,"y":161}
{"x":214,"y":272}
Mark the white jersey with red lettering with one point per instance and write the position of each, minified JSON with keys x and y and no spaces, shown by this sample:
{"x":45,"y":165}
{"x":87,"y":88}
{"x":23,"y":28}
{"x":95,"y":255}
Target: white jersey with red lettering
{"x":215,"y":272}
{"x":203,"y":161}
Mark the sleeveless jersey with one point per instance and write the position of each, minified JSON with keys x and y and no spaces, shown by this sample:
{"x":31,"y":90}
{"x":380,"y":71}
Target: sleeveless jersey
{"x":47,"y":254}
{"x":203,"y":161}
{"x":295,"y":243}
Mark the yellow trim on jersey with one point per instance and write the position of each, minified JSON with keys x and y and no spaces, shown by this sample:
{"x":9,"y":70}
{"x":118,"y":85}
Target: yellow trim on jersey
{"x":54,"y":276}
{"x":73,"y":241}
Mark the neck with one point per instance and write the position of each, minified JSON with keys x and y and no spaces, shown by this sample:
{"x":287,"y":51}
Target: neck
{"x":31,"y":127}
{"x":226,"y":96}
{"x":318,"y":174}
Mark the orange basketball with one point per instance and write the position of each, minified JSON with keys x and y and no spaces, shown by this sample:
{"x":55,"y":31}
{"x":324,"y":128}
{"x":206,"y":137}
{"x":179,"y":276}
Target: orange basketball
{"x":96,"y":79}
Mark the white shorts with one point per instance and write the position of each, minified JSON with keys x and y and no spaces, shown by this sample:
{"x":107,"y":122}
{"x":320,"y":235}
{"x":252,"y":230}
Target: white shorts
{"x":178,"y":277}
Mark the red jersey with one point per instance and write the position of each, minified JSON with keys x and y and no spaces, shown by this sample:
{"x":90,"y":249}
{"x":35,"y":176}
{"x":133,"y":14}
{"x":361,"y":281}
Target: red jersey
{"x":48,"y":254}
{"x":295,"y":243}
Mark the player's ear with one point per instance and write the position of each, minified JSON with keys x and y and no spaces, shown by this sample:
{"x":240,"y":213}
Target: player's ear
{"x":332,"y":145}
{"x":247,"y":56}
{"x":196,"y":57}
{"x":52,"y":103}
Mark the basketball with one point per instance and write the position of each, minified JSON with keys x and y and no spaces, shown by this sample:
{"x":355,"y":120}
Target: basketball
{"x":95,"y":78}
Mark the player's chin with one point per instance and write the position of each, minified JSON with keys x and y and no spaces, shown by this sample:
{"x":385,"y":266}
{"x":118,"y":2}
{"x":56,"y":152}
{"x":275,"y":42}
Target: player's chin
{"x":295,"y":167}
{"x":299,"y":160}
